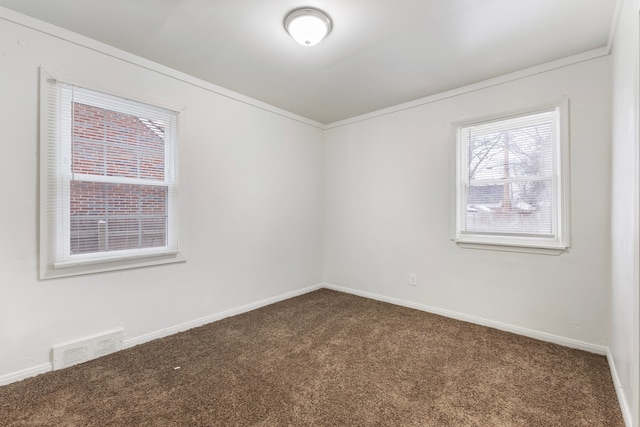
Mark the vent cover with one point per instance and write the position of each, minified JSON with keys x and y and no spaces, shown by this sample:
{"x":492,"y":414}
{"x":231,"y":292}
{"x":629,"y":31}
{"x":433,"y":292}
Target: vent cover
{"x":83,"y":350}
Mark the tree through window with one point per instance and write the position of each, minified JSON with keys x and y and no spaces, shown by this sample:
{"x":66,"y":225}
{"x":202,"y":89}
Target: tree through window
{"x":509,"y":181}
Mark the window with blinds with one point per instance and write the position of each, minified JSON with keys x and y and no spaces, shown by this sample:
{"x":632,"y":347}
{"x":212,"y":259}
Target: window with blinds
{"x":109,"y":188}
{"x":510,"y":181}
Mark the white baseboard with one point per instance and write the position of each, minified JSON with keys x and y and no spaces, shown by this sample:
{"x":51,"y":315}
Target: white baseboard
{"x":617,"y":384}
{"x":25,"y":373}
{"x":542,"y":336}
{"x":128,"y":343}
{"x":626,"y":411}
{"x":48,"y":367}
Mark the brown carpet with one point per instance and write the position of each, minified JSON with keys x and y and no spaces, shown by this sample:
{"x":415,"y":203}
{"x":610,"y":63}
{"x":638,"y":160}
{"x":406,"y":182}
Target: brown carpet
{"x":325,"y":359}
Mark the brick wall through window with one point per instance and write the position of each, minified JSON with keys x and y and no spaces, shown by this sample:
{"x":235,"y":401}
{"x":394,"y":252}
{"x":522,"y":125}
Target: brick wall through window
{"x":106,"y":216}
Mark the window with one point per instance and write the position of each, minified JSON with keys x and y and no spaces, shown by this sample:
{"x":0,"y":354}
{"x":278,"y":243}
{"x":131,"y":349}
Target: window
{"x":109,"y":188}
{"x":511,"y":180}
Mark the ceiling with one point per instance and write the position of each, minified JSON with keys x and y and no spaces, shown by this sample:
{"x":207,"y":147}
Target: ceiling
{"x":380,"y":53}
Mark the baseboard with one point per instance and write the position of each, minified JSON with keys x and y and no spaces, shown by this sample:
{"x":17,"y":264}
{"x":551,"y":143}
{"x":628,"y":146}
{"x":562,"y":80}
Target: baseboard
{"x":542,"y":336}
{"x":617,"y":384}
{"x":25,"y":373}
{"x":128,"y":343}
{"x":48,"y":367}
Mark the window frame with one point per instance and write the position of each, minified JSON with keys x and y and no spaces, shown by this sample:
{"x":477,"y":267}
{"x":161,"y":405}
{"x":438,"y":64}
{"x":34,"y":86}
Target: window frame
{"x":55,"y":179}
{"x":554,"y":244}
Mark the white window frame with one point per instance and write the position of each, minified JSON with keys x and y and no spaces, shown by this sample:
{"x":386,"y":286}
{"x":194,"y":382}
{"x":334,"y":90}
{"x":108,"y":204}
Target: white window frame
{"x":56,"y":259}
{"x":555,"y":243}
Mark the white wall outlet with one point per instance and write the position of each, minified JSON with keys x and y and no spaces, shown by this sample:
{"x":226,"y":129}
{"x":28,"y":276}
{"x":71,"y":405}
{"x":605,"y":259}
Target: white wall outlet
{"x":412,"y":279}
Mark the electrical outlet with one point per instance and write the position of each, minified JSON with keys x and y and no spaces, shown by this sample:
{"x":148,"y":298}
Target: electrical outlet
{"x":412,"y":279}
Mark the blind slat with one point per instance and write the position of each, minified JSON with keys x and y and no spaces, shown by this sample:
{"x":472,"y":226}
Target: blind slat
{"x":513,"y":123}
{"x":509,"y":171}
{"x":111,"y":181}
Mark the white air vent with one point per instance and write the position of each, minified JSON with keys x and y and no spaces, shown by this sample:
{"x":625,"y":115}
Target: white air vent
{"x":88,"y":348}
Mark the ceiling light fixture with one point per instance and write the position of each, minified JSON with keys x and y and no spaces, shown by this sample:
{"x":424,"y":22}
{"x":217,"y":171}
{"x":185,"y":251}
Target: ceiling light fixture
{"x":308,"y":26}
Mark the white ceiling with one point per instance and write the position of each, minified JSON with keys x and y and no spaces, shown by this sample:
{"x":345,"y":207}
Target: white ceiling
{"x":379,"y":54}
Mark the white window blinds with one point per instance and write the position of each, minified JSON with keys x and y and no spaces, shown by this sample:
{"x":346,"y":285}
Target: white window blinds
{"x":111,"y":182}
{"x":509,"y":180}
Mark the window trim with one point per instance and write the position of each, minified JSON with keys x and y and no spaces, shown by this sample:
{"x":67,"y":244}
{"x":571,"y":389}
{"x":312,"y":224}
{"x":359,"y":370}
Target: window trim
{"x":51,"y":203}
{"x":553,"y":245}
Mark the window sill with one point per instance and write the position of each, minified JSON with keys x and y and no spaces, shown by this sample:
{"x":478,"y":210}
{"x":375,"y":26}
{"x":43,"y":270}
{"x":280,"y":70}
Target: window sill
{"x":120,"y":263}
{"x":110,"y":259}
{"x":538,"y":250}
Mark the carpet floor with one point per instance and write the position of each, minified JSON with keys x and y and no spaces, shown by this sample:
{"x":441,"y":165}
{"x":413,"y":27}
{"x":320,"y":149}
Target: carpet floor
{"x":325,"y":359}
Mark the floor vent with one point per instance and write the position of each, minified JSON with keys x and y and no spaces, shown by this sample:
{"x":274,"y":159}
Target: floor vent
{"x":72,"y":353}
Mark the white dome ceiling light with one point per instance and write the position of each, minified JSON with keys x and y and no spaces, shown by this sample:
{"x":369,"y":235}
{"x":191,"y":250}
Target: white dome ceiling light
{"x":308,"y":26}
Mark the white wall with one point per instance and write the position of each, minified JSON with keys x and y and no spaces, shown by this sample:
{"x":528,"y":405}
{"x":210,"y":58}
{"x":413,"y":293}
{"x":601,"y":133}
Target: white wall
{"x":388,"y":212}
{"x":253,"y":207}
{"x":625,"y":341}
